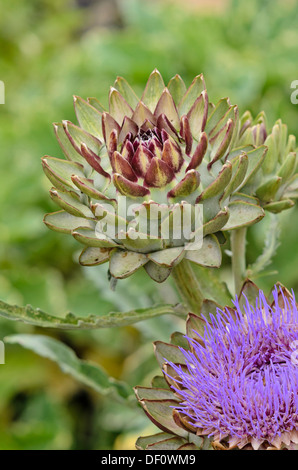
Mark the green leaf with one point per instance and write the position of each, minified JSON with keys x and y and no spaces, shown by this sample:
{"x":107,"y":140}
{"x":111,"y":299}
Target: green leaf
{"x":70,"y":321}
{"x":89,"y":374}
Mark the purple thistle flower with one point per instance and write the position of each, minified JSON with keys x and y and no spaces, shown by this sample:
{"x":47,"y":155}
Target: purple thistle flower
{"x":239,"y":380}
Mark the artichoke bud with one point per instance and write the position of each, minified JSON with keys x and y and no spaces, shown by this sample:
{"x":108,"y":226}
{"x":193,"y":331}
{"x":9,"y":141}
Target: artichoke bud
{"x":166,"y":150}
{"x":272,"y":179}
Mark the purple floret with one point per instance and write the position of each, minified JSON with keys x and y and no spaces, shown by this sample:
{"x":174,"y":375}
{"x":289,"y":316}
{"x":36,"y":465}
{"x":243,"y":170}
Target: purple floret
{"x":243,"y":382}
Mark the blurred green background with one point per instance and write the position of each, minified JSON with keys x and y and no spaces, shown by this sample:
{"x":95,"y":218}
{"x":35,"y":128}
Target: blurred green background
{"x":51,"y":50}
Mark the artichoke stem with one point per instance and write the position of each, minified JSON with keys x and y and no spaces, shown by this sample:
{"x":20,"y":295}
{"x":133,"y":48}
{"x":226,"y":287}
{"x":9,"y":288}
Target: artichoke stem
{"x":238,"y":242}
{"x":188,"y":286}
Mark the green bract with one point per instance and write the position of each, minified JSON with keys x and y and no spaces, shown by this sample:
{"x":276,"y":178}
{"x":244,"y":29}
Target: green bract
{"x":167,"y":152}
{"x":276,"y":184}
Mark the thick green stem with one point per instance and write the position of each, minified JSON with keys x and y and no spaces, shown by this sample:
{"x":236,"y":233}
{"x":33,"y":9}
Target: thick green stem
{"x":188,"y":286}
{"x":238,"y":242}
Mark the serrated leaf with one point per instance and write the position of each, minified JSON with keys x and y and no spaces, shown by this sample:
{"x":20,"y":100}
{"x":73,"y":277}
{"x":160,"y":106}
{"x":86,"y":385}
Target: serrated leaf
{"x":37,"y":317}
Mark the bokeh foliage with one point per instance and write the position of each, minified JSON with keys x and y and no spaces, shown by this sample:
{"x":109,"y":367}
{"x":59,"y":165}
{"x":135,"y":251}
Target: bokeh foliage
{"x":51,"y":50}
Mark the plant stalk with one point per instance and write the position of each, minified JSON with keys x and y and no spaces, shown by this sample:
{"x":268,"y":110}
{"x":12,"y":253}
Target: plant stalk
{"x":238,"y":242}
{"x":188,"y":286}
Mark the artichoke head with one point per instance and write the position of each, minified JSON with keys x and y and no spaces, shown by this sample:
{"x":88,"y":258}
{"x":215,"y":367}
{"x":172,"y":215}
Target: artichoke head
{"x":166,"y":153}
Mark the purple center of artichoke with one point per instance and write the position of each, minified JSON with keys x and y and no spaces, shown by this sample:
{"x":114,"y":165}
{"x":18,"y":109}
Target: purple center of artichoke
{"x":242,"y":380}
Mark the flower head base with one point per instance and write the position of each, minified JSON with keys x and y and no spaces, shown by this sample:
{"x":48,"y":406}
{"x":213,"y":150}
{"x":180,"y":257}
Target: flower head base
{"x":237,"y":381}
{"x":171,"y":146}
